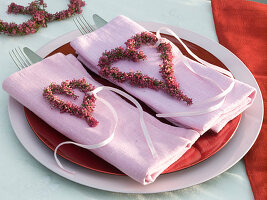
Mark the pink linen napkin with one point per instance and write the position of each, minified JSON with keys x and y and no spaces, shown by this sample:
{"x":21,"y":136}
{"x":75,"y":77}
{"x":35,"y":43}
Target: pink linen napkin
{"x":114,"y":34}
{"x":128,"y":150}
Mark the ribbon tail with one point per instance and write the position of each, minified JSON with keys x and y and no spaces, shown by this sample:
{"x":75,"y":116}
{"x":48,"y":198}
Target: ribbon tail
{"x":142,"y":122}
{"x":221,"y":95}
{"x":110,"y":138}
{"x":92,"y":146}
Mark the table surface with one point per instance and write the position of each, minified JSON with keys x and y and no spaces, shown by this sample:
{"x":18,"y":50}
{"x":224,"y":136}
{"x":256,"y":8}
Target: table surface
{"x":22,"y":177}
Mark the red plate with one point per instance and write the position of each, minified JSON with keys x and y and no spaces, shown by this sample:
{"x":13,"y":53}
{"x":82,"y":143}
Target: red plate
{"x":206,"y":146}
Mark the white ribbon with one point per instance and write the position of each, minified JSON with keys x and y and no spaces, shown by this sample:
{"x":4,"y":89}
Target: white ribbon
{"x":222,"y":95}
{"x":110,"y":138}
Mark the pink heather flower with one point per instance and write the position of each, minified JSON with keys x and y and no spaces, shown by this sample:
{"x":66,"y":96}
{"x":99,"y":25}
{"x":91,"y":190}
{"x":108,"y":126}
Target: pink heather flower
{"x":39,"y":16}
{"x":27,"y":30}
{"x":14,"y":31}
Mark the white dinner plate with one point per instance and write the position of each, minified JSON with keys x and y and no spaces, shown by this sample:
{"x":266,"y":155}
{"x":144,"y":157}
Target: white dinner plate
{"x":238,"y":146}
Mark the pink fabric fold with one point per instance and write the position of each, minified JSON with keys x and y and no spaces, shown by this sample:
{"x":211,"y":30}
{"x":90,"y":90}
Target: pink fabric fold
{"x":114,"y":34}
{"x":128,"y":150}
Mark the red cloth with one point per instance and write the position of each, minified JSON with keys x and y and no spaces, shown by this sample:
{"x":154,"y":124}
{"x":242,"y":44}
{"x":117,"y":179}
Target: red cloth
{"x":241,"y":26}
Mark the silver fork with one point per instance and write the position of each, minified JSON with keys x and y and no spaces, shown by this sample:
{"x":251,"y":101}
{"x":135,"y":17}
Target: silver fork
{"x":22,"y":61}
{"x":19,"y":58}
{"x":83,"y":26}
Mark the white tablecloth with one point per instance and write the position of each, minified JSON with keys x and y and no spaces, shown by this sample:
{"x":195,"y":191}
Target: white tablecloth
{"x":22,"y":177}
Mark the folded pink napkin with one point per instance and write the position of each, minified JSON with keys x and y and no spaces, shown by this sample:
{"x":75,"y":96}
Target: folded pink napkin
{"x":128,"y":151}
{"x":90,"y":48}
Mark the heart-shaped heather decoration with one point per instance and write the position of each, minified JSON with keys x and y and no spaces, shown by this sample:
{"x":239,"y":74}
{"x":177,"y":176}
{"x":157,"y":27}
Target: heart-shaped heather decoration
{"x":132,"y":53}
{"x":66,"y":88}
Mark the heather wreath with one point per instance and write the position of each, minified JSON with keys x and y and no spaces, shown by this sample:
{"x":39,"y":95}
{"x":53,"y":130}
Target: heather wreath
{"x":131,"y":53}
{"x":40,"y":17}
{"x":66,"y":88}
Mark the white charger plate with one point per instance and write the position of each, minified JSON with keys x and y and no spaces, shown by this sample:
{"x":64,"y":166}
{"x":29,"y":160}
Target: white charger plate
{"x":238,"y":146}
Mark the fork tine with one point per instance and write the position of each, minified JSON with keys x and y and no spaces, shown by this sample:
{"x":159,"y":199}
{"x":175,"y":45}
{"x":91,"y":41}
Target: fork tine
{"x":15,"y":60}
{"x":83,"y":26}
{"x":76,"y":24}
{"x":79,"y":26}
{"x":20,"y":58}
{"x":89,"y":26}
{"x":87,"y":30}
